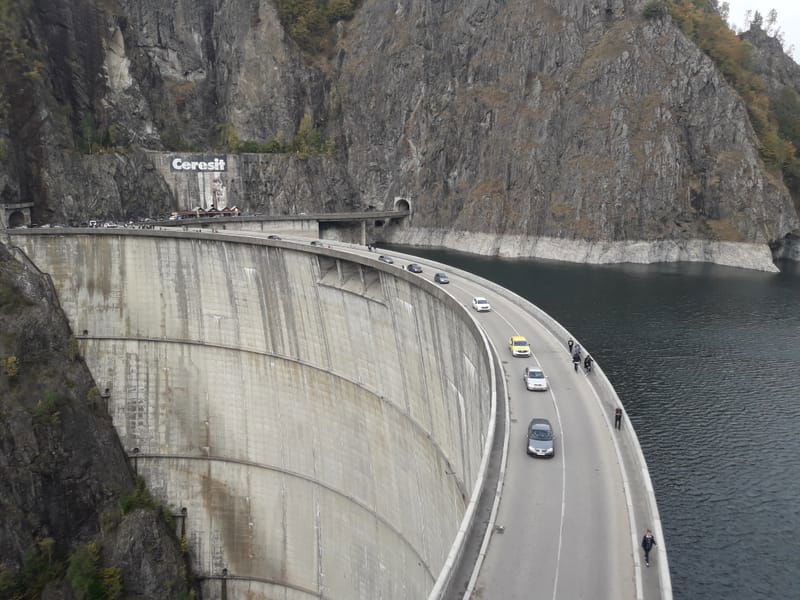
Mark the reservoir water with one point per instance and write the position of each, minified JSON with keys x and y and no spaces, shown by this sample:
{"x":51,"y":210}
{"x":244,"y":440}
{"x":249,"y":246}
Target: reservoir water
{"x":706,"y":360}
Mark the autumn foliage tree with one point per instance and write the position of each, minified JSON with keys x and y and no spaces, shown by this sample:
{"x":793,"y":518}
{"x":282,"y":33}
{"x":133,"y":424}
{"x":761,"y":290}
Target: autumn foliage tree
{"x":776,"y":121}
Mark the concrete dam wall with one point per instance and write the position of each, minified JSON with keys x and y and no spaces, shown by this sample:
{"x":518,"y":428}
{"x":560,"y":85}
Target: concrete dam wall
{"x":322,"y":421}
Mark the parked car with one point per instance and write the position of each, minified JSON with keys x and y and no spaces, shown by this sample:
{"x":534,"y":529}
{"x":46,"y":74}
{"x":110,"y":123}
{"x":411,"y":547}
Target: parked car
{"x":387,"y":259}
{"x":414,"y":268}
{"x":316,"y":243}
{"x":481,"y":304}
{"x":535,"y":379}
{"x":441,"y":278}
{"x":273,"y":237}
{"x":519,"y":346}
{"x":541,"y":440}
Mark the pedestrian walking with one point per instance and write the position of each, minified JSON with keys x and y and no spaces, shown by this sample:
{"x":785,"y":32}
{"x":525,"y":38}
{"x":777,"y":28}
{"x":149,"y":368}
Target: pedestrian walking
{"x":577,"y":349}
{"x":576,"y":360}
{"x":648,"y":541}
{"x":618,"y":418}
{"x":570,"y":343}
{"x":587,"y":363}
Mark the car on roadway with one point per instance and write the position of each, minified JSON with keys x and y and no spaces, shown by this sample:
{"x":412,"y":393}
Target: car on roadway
{"x":441,"y":278}
{"x":273,"y":237}
{"x":519,"y":346}
{"x":481,"y":304}
{"x":316,"y":243}
{"x":541,"y":439}
{"x":535,"y":379}
{"x":386,"y":259}
{"x":414,"y":268}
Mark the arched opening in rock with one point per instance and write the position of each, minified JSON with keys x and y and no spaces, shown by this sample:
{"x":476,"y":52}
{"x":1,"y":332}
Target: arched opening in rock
{"x":16,"y":218}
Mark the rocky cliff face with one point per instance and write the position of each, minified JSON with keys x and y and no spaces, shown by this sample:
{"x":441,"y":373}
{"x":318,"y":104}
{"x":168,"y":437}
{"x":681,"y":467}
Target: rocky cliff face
{"x":575,"y":126}
{"x":68,"y":504}
{"x":782,"y":76}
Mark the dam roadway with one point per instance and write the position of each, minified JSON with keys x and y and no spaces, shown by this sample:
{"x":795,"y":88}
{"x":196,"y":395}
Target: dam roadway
{"x":570,"y":525}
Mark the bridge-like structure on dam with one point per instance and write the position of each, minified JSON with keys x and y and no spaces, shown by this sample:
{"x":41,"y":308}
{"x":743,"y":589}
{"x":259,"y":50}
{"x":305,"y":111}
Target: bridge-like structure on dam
{"x":338,"y":427}
{"x":360,"y":227}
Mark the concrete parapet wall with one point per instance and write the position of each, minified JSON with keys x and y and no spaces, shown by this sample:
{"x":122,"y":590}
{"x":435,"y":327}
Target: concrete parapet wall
{"x":288,"y":227}
{"x":322,"y":420}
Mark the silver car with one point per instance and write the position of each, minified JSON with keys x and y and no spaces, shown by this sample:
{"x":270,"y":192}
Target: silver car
{"x":541,"y":440}
{"x":535,"y":379}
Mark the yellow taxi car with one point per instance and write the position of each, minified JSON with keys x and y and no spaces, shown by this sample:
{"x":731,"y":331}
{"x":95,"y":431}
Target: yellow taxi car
{"x":519,"y":346}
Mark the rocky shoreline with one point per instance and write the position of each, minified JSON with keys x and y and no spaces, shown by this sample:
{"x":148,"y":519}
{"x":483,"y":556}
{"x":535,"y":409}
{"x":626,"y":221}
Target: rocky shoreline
{"x":732,"y":254}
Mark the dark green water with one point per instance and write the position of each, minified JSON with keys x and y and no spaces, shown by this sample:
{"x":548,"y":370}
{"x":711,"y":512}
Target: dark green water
{"x":706,"y":360}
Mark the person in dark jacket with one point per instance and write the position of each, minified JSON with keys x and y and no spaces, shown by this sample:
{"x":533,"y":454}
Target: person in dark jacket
{"x":618,"y":418}
{"x":576,"y":360}
{"x":587,"y":363}
{"x":648,"y":541}
{"x":569,"y":344}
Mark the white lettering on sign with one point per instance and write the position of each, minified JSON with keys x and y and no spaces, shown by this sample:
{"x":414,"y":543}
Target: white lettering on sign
{"x":217,"y":164}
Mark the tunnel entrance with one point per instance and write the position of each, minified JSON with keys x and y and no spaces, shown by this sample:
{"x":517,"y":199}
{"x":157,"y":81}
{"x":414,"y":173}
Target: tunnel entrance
{"x":15,"y":219}
{"x":402,"y":204}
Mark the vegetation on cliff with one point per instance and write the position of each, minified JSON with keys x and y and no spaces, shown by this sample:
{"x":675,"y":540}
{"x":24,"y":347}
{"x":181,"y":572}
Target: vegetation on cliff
{"x":776,"y":120}
{"x":308,"y":22}
{"x":306,"y":142}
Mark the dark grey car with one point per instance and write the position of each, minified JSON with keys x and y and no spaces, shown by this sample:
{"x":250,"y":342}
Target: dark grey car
{"x":541,"y":438}
{"x":414,"y":268}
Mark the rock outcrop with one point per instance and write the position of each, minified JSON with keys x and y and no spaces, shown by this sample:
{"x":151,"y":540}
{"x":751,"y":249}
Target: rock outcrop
{"x":782,"y":76}
{"x":539,"y":124}
{"x":66,"y":490}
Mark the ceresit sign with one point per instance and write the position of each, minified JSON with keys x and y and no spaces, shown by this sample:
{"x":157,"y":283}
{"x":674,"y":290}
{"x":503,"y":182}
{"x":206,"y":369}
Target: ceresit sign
{"x":214,"y":164}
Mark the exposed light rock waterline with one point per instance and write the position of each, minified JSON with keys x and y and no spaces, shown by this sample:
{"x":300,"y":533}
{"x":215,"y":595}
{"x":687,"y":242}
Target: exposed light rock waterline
{"x":747,"y":256}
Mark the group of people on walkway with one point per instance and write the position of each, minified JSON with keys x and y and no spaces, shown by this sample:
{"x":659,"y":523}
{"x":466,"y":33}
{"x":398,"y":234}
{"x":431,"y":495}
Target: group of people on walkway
{"x":576,"y":351}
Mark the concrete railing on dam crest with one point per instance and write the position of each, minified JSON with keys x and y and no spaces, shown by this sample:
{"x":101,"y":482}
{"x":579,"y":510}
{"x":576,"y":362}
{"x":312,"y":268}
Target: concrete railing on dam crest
{"x":323,"y":420}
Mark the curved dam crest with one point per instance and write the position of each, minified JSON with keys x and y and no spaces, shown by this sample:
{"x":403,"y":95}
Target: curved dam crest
{"x":322,"y":420}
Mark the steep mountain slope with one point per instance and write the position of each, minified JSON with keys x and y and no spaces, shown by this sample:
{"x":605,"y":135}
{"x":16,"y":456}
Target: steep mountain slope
{"x":571,"y":129}
{"x":72,"y":521}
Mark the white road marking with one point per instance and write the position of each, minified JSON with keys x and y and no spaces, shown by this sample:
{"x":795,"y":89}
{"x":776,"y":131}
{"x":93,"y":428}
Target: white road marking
{"x":563,"y":451}
{"x":637,"y":566}
{"x":563,"y":494}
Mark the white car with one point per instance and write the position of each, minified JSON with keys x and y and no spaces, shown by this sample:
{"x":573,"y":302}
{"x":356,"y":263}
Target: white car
{"x":481,"y":304}
{"x":535,"y":379}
